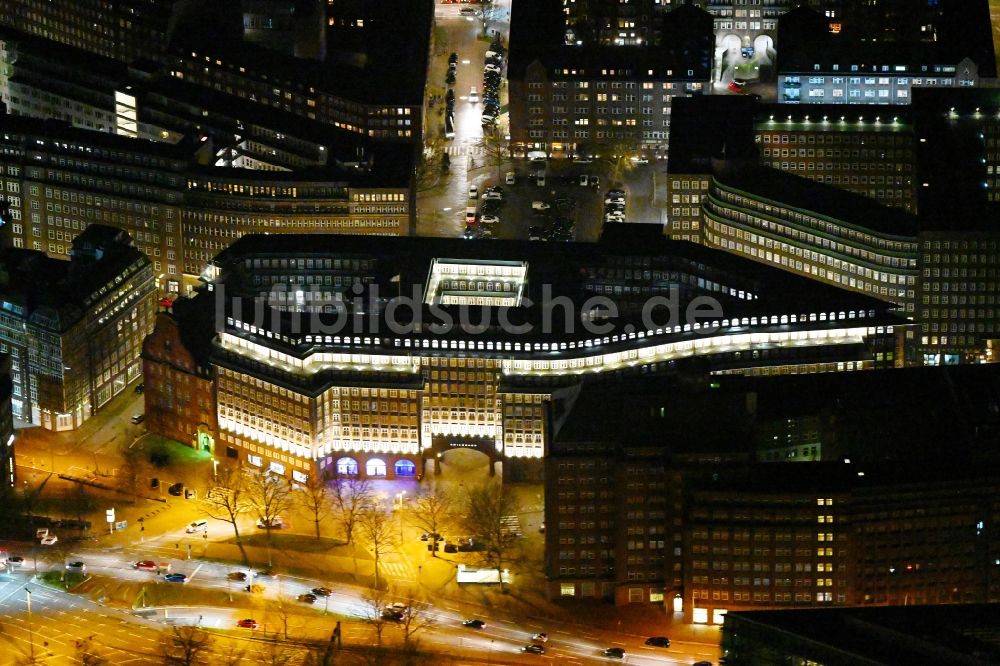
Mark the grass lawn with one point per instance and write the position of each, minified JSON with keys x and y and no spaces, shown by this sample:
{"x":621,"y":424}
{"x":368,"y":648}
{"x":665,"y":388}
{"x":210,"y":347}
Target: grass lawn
{"x":60,"y":581}
{"x":303,"y":543}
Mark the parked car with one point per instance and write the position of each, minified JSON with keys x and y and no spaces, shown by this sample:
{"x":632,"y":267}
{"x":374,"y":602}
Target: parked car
{"x":322,"y":591}
{"x":614,"y":652}
{"x":493,"y":56}
{"x":510,"y":178}
{"x":176,"y":490}
{"x":540,"y":206}
{"x":468,"y":11}
{"x":595,"y":181}
{"x":76,"y":567}
{"x":175,"y":578}
{"x":474,"y":624}
{"x":307,"y":598}
{"x":489,"y":219}
{"x":492,"y":196}
{"x":450,"y":77}
{"x":138,"y":418}
{"x":238,"y":576}
{"x":473,"y":191}
{"x":392,"y":615}
{"x":275,"y":523}
{"x":582,"y":159}
{"x":658,"y":641}
{"x":200,"y":525}
{"x":584,"y":180}
{"x":139,"y":388}
{"x":490,"y":67}
{"x":49,"y":540}
{"x":449,"y":97}
{"x":733,"y":87}
{"x":453,"y":57}
{"x":247,"y":623}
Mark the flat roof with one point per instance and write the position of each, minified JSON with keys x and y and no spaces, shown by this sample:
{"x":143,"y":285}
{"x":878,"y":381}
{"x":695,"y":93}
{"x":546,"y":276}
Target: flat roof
{"x":806,"y":194}
{"x":923,"y":635}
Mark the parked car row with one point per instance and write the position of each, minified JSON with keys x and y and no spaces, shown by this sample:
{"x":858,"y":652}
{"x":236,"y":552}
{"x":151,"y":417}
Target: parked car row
{"x":492,"y":73}
{"x":478,"y":224}
{"x":614,"y":206}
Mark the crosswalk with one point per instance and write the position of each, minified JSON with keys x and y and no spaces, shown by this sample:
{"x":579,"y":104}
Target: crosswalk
{"x":402,"y":571}
{"x":463,"y":149}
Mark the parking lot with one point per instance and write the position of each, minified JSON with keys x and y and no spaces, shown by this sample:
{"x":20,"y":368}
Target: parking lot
{"x":562,"y":193}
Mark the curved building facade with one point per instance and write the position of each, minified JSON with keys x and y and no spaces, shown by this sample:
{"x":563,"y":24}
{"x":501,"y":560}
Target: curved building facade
{"x":375,"y":357}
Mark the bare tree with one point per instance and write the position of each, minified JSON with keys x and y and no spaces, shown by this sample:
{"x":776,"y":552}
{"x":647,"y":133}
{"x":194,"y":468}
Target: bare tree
{"x":186,"y":646}
{"x":132,"y":472}
{"x":486,"y":507}
{"x":228,"y":501}
{"x":378,"y":532}
{"x":351,"y":496}
{"x":315,"y":496}
{"x":617,"y":157}
{"x":233,"y":656}
{"x":416,"y":618}
{"x":275,"y":652}
{"x":270,"y":495}
{"x":496,"y":147}
{"x":376,"y":605}
{"x":431,"y":510}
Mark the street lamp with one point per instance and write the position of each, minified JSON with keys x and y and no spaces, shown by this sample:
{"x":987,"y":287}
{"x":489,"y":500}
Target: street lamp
{"x":31,"y":629}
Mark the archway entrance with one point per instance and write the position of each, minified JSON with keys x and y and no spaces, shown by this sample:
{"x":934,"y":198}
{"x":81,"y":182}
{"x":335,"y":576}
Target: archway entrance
{"x":449,"y":451}
{"x":763,"y":49}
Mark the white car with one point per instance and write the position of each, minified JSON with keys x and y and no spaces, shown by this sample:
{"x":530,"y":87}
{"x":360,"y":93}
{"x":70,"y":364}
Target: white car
{"x":489,"y":120}
{"x":614,"y":199}
{"x":473,"y":192}
{"x":510,"y":178}
{"x":493,"y":196}
{"x":489,"y":219}
{"x":490,"y":67}
{"x":539,"y":205}
{"x":473,"y":95}
{"x":50,"y":540}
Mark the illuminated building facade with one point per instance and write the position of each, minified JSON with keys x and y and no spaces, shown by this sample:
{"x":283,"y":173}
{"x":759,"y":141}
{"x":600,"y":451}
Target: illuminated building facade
{"x":771,"y":216}
{"x":883,"y":61}
{"x":58,"y":180}
{"x":74,"y":329}
{"x":936,"y":158}
{"x":647,"y":501}
{"x":591,"y":98}
{"x":180,"y":384}
{"x":317,"y":364}
{"x":8,"y":473}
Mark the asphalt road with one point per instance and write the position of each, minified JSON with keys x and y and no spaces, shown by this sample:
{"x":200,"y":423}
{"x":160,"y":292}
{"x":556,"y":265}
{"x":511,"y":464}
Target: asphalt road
{"x":500,"y":641}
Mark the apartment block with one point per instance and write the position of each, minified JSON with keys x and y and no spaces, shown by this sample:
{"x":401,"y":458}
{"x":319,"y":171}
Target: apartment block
{"x":591,"y":98}
{"x":74,"y":329}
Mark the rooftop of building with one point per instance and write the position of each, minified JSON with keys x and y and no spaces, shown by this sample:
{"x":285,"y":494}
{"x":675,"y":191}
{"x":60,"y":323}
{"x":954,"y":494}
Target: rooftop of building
{"x":559,"y":285}
{"x":958,"y":29}
{"x":787,"y":190}
{"x":955,"y":404}
{"x":914,"y":635}
{"x":390,"y":70}
{"x":538,"y":33}
{"x":55,"y":293}
{"x":60,"y":132}
{"x":953,"y":158}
